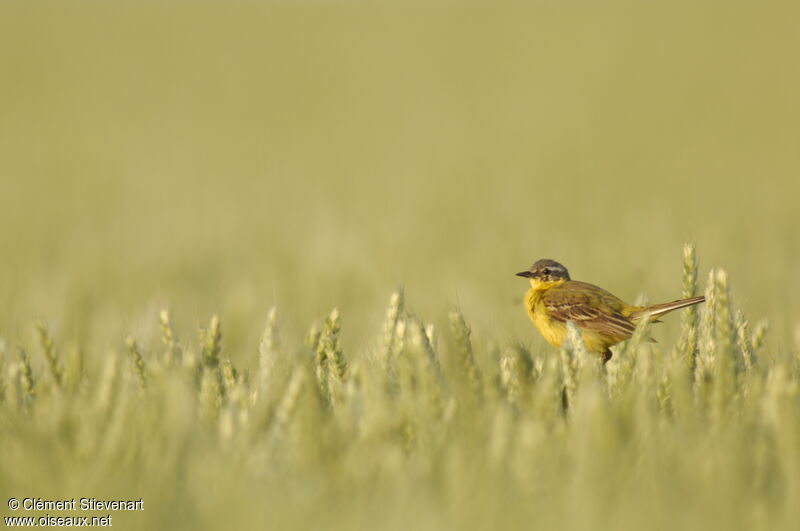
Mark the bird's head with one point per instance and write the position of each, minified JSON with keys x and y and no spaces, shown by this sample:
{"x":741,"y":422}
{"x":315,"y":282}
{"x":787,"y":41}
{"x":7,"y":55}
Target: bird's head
{"x":545,"y":274}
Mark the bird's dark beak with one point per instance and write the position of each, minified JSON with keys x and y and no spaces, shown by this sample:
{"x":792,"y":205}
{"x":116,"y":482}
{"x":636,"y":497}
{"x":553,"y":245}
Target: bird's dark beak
{"x":526,"y":274}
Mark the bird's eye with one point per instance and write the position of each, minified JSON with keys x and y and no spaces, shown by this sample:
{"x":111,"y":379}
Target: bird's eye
{"x":546,"y":271}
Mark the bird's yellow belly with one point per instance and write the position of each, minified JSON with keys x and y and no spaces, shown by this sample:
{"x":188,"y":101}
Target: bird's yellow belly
{"x":555,"y":331}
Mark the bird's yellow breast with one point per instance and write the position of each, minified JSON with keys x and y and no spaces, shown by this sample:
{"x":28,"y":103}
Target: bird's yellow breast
{"x":553,"y":331}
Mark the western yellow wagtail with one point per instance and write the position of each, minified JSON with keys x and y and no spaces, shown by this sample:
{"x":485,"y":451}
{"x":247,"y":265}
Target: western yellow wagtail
{"x":603,"y":319}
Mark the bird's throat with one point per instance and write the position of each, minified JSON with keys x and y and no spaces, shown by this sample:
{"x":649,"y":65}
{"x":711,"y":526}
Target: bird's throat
{"x":544,"y":285}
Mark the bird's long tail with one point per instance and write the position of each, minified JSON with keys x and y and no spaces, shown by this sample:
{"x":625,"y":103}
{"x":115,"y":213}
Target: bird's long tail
{"x":661,"y":309}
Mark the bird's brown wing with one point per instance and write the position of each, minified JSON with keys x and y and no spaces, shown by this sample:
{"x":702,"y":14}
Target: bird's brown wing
{"x":590,"y":308}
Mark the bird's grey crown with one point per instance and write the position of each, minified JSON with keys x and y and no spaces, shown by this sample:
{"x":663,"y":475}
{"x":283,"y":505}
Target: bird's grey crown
{"x":554,"y":269}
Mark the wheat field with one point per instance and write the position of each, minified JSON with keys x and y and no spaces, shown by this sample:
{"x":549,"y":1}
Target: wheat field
{"x":258,"y":262}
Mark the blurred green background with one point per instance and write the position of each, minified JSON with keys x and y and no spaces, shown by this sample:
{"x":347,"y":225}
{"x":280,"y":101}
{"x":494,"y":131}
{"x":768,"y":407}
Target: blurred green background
{"x":228,"y":156}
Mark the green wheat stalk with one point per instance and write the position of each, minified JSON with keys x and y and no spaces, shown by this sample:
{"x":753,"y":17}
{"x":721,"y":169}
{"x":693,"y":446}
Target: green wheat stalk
{"x":108,"y":388}
{"x":427,"y":370}
{"x":759,"y":336}
{"x":229,"y":376}
{"x":137,"y":361}
{"x":707,"y":341}
{"x":312,"y":337}
{"x":334,"y":347}
{"x":288,"y":404}
{"x":624,"y":366}
{"x":210,"y":393}
{"x":571,"y":353}
{"x":168,"y":336}
{"x":465,"y":356}
{"x":729,"y":360}
{"x":212,"y":342}
{"x":743,"y":339}
{"x":691,"y":315}
{"x":517,"y":373}
{"x":27,"y":382}
{"x":269,"y":346}
{"x":49,"y":351}
{"x":393,"y":314}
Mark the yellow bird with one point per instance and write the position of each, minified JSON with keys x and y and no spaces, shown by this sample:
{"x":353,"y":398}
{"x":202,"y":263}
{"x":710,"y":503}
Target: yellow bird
{"x":603,"y":319}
